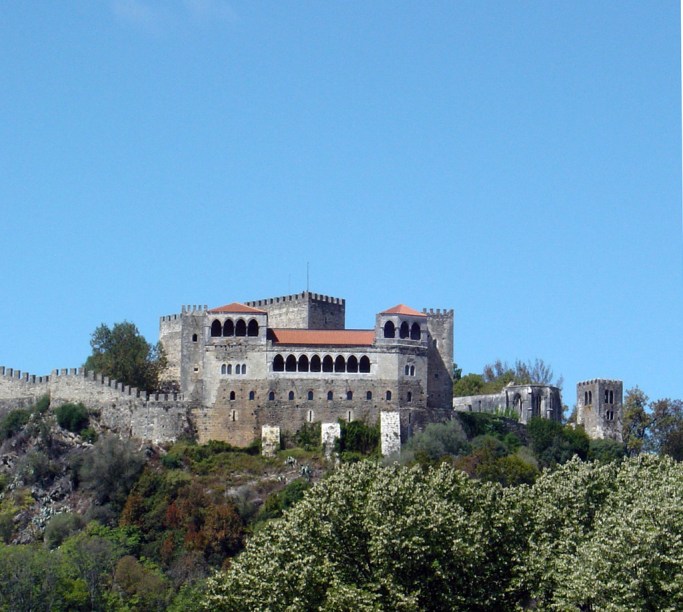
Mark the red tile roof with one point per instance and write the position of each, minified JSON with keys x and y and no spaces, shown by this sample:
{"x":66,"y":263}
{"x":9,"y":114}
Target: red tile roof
{"x":402,"y":309}
{"x":326,"y":337}
{"x":237,"y":307}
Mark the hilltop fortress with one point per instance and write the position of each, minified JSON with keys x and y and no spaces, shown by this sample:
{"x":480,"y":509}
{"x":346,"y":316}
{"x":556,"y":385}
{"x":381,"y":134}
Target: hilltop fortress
{"x":290,"y":360}
{"x":273,"y":365}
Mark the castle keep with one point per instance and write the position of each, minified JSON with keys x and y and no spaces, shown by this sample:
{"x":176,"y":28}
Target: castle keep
{"x":289,"y":360}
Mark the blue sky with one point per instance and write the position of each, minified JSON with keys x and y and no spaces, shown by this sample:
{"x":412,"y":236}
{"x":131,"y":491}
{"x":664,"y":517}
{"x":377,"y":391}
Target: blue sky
{"x":519,"y":162}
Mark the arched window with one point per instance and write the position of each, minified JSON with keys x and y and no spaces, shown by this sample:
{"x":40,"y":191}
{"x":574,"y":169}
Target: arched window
{"x":290,"y":364}
{"x":278,"y":364}
{"x":415,"y":333}
{"x":194,"y":337}
{"x":352,"y":364}
{"x":303,"y":363}
{"x":244,"y":369}
{"x":405,"y":330}
{"x":315,"y":364}
{"x":291,"y":395}
{"x":252,"y":395}
{"x":224,"y":369}
{"x":389,"y":330}
{"x":364,"y":364}
{"x":241,"y":328}
{"x":590,"y":397}
{"x":412,"y":370}
{"x":271,"y":396}
{"x":228,"y":328}
{"x":349,"y":395}
{"x":229,"y":370}
{"x":328,"y":364}
{"x":410,"y":396}
{"x":585,"y":398}
{"x":388,"y":396}
{"x":606,"y":396}
{"x":216,"y":328}
{"x":611,"y":397}
{"x":407,"y":370}
{"x":368,"y":395}
{"x":310,"y":395}
{"x":232,"y":396}
{"x":252,"y":329}
{"x":340,"y":364}
{"x":330,"y":396}
{"x":238,"y":369}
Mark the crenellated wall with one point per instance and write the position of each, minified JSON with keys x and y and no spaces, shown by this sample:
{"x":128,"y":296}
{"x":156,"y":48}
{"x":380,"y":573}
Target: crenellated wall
{"x":123,"y":409}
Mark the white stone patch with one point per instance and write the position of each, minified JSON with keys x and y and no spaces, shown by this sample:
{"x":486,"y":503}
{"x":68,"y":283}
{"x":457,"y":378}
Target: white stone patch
{"x":329,"y":433}
{"x":270,"y":440}
{"x":390,"y":430}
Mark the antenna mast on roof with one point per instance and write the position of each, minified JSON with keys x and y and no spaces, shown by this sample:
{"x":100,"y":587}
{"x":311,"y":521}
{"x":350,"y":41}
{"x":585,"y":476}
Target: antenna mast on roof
{"x":306,"y":277}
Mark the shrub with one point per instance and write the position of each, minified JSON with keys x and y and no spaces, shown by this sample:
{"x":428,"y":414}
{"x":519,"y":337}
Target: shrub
{"x":35,"y":467}
{"x":359,"y":437}
{"x":73,"y":417}
{"x":89,"y":435}
{"x":61,"y":526}
{"x":308,"y":437}
{"x":12,"y":423}
{"x":438,"y":440}
{"x":42,"y":404}
{"x":109,"y":469}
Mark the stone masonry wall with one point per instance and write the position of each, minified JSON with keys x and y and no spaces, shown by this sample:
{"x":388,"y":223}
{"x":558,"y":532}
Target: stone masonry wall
{"x":122,"y":408}
{"x":303,"y":311}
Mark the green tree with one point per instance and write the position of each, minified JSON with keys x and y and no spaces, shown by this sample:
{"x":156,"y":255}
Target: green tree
{"x":372,"y":537}
{"x":636,"y":421}
{"x":666,"y":428}
{"x":123,"y":353}
{"x":470,"y":384}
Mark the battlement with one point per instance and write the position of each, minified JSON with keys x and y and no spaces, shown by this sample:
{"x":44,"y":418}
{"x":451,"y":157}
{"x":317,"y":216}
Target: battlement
{"x":194,"y":309}
{"x":594,"y":381}
{"x":438,"y":312}
{"x":57,"y":376}
{"x":297,"y":297}
{"x":10,"y":373}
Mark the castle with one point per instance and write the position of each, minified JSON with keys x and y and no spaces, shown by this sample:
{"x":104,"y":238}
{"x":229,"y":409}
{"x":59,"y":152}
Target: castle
{"x":290,"y":360}
{"x":272,"y":365}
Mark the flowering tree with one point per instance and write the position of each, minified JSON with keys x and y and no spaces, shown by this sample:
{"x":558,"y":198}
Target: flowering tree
{"x":584,"y":536}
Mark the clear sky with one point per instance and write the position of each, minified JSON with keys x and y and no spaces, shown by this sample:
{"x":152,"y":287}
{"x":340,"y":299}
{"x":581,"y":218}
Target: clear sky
{"x":517,"y":161}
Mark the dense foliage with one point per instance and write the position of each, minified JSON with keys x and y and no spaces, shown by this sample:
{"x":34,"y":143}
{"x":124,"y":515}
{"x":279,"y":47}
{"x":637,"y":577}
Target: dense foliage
{"x":122,"y":353}
{"x":587,"y":535}
{"x":499,"y":373}
{"x":73,"y":417}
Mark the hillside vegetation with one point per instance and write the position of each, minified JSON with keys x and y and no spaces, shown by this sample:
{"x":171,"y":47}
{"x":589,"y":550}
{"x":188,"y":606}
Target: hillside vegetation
{"x":489,"y":513}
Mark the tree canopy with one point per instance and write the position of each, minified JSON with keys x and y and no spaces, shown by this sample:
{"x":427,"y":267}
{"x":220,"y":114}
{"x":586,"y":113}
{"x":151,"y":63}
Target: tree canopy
{"x":499,"y":373}
{"x":122,"y":353}
{"x":584,"y":536}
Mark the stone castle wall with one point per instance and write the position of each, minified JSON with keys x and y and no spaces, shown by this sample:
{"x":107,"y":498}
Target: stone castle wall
{"x":123,"y":409}
{"x":303,"y":311}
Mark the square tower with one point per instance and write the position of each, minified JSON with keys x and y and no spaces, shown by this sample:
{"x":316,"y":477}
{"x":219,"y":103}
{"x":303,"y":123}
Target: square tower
{"x":599,"y":408}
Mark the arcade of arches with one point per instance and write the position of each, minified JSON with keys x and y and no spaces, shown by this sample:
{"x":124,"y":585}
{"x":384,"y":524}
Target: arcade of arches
{"x":325,"y":364}
{"x":234,"y":328}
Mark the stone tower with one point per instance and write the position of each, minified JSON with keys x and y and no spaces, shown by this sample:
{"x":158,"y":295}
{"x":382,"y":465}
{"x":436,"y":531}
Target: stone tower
{"x":599,"y":408}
